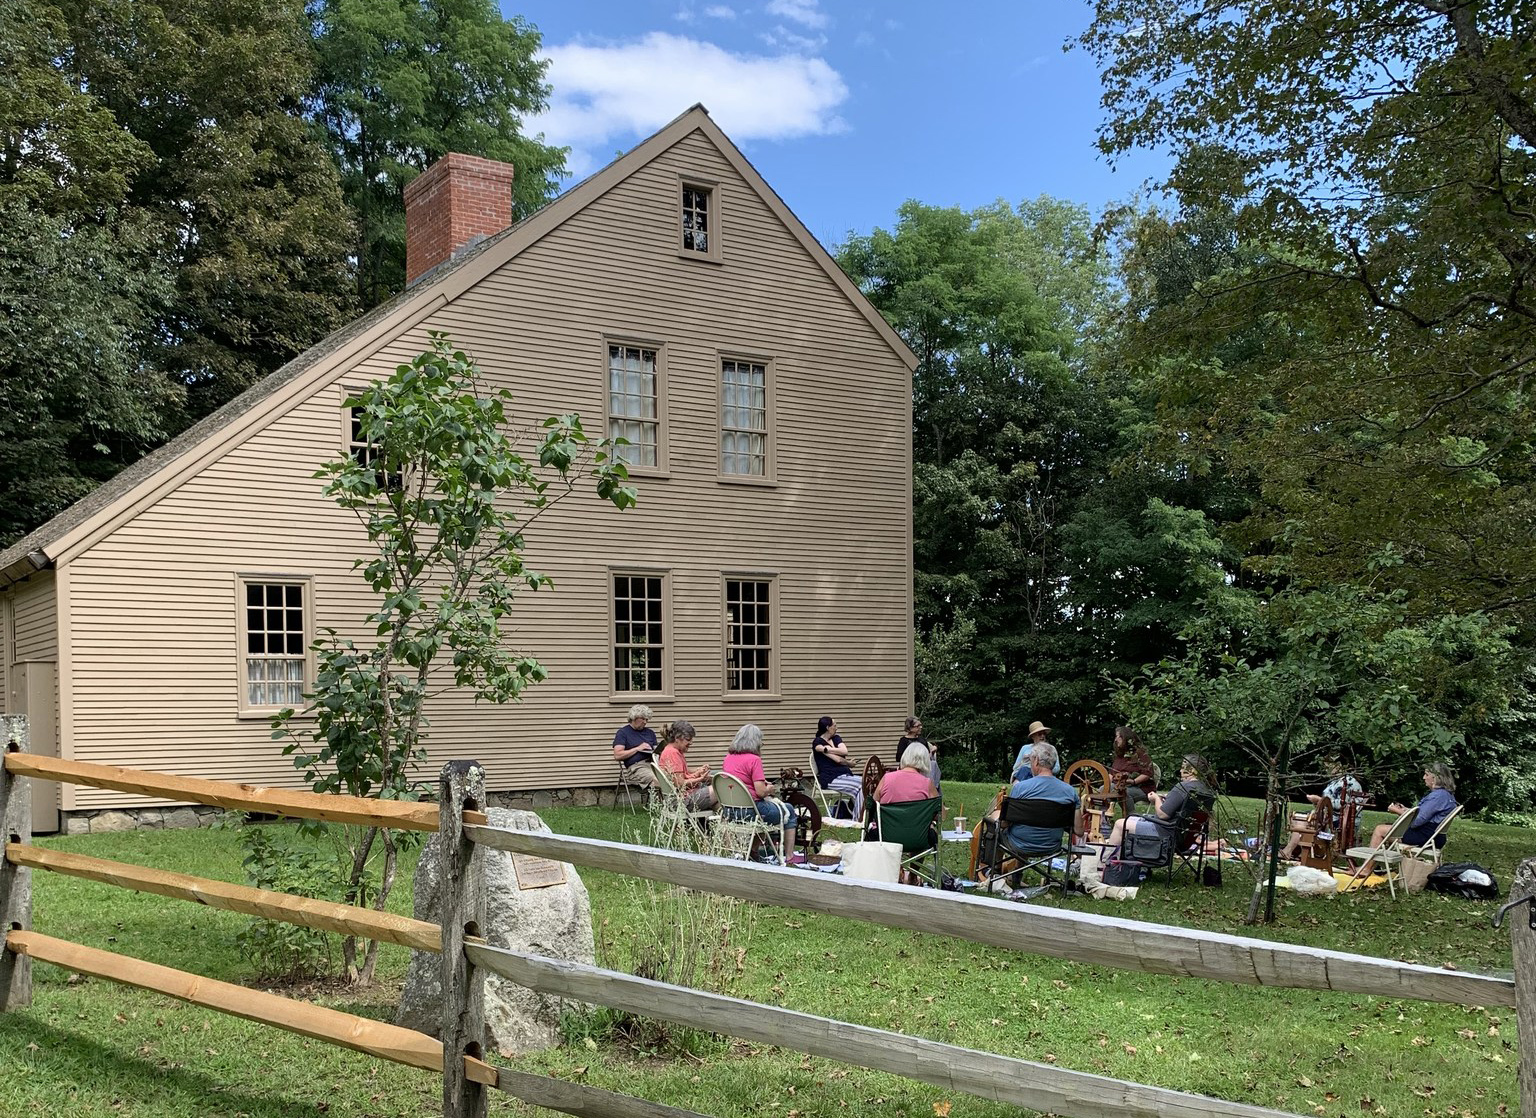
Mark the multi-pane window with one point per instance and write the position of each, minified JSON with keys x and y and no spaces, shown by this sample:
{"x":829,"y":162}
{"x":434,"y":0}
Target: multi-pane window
{"x":275,"y":644}
{"x":639,"y":639}
{"x":748,"y":635}
{"x":632,"y":402}
{"x":696,"y":218}
{"x":744,"y":418}
{"x":366,"y":453}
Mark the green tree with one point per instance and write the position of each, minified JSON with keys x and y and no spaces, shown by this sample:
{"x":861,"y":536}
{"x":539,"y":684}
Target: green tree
{"x":404,"y":82}
{"x":256,"y":232}
{"x":1266,"y":681}
{"x":444,"y":497}
{"x":1377,"y":157}
{"x":80,"y":284}
{"x":1034,"y":559}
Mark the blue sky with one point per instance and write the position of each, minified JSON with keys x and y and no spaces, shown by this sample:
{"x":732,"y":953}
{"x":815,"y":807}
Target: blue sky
{"x":847,"y":107}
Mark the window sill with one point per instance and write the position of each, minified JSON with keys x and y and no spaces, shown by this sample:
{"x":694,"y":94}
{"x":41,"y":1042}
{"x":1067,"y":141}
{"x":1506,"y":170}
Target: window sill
{"x":699,"y":257}
{"x":748,"y":480}
{"x":641,"y":698}
{"x":652,"y":473}
{"x":268,"y":715}
{"x":751,"y":697}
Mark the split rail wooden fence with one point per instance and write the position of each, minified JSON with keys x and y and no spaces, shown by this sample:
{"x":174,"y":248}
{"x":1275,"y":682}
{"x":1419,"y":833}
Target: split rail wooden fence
{"x":467,"y":957}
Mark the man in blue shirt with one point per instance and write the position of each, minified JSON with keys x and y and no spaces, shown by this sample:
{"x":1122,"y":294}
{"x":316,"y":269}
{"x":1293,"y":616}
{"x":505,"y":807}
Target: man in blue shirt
{"x":1041,"y":784}
{"x":634,"y":744}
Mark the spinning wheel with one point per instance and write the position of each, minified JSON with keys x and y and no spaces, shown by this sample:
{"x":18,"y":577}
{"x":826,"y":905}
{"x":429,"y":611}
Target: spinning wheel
{"x":1089,"y":779}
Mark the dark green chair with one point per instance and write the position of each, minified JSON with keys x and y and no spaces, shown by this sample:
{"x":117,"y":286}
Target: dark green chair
{"x":913,"y":825}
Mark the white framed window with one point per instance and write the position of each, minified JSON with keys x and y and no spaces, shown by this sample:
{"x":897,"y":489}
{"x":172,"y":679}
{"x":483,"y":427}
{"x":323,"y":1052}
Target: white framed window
{"x":640,"y":603}
{"x":276,"y":630}
{"x":744,"y":450}
{"x":699,"y":219}
{"x":751,"y":606}
{"x":635,"y":384}
{"x":359,"y":448}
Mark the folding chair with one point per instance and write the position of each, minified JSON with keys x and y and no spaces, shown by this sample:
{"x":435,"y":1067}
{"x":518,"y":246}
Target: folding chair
{"x":913,"y":825}
{"x":1181,"y":840}
{"x":1429,"y":850}
{"x":626,"y":784}
{"x":1006,"y":857}
{"x":1387,"y":853}
{"x":741,"y":827}
{"x":826,"y":799}
{"x":673,"y":816}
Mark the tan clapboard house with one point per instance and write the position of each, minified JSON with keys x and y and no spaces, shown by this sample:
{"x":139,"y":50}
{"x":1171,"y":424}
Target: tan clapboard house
{"x":672,"y":298}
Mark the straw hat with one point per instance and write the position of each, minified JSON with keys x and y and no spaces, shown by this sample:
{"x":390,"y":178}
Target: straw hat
{"x":1038,"y":728}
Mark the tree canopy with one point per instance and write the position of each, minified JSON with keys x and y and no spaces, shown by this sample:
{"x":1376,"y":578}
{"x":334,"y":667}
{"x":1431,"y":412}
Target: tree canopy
{"x":1376,"y":159}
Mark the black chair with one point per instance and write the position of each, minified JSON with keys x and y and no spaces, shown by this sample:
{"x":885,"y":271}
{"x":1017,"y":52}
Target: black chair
{"x":1003,"y":856}
{"x":1181,"y":841}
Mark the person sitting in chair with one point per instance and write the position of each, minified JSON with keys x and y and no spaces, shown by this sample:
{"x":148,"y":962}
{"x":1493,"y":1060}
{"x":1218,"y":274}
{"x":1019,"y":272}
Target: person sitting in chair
{"x":1169,"y":810}
{"x":1039,"y":734}
{"x":1040,"y":784}
{"x":1130,"y":772}
{"x":834,"y":767}
{"x":1334,"y":792}
{"x":1437,"y":803}
{"x":691,"y":784}
{"x":634,"y":744}
{"x":910,"y":782}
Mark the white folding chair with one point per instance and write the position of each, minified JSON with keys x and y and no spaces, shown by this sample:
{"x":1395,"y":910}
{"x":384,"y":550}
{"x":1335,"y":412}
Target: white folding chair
{"x":826,"y":798}
{"x":1428,"y":850}
{"x":740,"y":825}
{"x":1386,"y":855}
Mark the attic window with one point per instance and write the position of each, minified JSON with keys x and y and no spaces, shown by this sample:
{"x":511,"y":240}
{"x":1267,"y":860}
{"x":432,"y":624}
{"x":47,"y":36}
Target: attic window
{"x":368,"y":454}
{"x":700,"y":210}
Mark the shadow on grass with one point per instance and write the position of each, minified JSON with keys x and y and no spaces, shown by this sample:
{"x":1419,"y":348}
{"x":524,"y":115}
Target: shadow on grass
{"x":93,"y":1068}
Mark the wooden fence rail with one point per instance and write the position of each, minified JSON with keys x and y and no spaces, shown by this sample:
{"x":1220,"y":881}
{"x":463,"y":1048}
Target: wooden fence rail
{"x":1083,"y":937}
{"x":460,"y":818}
{"x":1004,"y":1079}
{"x":389,"y":1042}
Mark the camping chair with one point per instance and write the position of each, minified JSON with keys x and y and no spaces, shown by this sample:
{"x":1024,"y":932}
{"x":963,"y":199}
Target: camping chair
{"x":1181,"y":841}
{"x":628,"y":784}
{"x":1429,"y":850}
{"x":1387,"y":853}
{"x":912,"y":825}
{"x":741,"y":827}
{"x":1005,"y":857}
{"x":673,"y":816}
{"x":827,"y":799}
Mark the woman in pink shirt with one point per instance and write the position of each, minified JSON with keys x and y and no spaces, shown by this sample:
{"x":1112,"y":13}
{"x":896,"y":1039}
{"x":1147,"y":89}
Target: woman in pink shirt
{"x":691,"y":784}
{"x":910,"y":782}
{"x":744,"y":761}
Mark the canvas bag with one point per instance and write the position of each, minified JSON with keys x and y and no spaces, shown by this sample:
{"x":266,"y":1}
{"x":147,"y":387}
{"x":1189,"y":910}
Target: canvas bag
{"x":1413,"y":874}
{"x":1155,"y":846}
{"x":872,"y":861}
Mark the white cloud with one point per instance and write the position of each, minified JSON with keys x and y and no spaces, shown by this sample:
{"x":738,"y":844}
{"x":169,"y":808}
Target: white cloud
{"x":606,"y":96}
{"x":783,"y":38}
{"x":720,"y":11}
{"x":803,"y":12}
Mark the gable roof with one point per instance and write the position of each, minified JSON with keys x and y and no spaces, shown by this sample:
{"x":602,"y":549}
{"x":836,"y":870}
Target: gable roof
{"x":160,"y":471}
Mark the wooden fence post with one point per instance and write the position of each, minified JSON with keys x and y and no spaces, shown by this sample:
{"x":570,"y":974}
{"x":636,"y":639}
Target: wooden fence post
{"x":1522,"y":938}
{"x":15,"y":881}
{"x":461,"y":787}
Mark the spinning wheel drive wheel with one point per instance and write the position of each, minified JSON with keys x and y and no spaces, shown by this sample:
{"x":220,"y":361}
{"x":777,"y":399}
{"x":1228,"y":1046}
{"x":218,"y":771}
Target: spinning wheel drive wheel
{"x":1089,"y":779}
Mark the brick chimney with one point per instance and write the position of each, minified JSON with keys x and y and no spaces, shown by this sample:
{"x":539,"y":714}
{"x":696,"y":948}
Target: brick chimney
{"x":456,"y":202}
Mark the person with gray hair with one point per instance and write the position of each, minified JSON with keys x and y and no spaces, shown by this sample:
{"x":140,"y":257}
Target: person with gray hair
{"x":691,"y":784}
{"x":1437,"y":803}
{"x":634,"y":744}
{"x":744,"y":761}
{"x":1040,"y":784}
{"x":911,"y":781}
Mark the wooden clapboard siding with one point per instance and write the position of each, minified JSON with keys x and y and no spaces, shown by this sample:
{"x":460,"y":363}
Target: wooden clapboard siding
{"x":154,"y":621}
{"x":35,"y":602}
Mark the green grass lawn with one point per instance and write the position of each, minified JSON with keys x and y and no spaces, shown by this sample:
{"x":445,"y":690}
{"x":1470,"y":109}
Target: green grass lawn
{"x":89,"y":1048}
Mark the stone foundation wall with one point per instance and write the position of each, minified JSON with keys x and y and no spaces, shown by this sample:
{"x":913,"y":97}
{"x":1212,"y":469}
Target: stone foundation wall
{"x":137,"y":819}
{"x":154,"y":818}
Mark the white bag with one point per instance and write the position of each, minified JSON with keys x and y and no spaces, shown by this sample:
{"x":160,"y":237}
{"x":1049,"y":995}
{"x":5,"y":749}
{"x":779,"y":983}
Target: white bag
{"x":1305,"y":879}
{"x":872,"y":861}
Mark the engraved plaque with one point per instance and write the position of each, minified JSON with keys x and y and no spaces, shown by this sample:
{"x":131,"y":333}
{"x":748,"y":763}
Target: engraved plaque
{"x":537,"y":873}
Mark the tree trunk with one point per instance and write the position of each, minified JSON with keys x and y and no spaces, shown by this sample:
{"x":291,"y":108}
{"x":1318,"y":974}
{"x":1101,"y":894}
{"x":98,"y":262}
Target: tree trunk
{"x":1276,"y":805}
{"x":380,"y":900}
{"x":356,"y":886}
